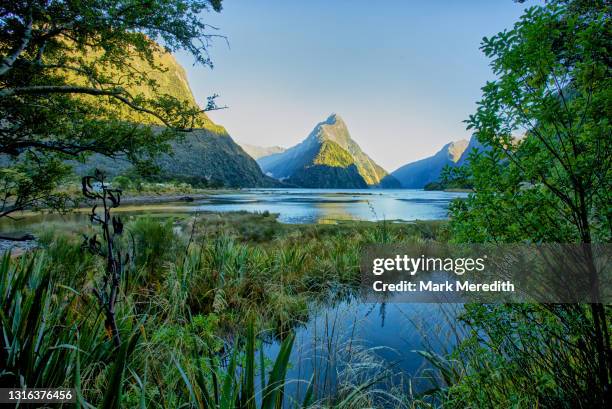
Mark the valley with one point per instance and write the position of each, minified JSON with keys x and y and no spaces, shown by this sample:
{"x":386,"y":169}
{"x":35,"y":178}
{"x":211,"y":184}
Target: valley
{"x":228,"y":205}
{"x":328,"y":157}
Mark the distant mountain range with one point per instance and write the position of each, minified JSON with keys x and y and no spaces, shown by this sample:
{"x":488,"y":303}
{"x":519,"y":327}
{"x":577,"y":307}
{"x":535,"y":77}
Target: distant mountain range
{"x":416,"y":175}
{"x":257,"y":152}
{"x":327,"y":158}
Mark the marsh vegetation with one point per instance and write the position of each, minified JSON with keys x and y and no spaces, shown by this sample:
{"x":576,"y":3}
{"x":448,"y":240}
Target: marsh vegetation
{"x":199,"y":296}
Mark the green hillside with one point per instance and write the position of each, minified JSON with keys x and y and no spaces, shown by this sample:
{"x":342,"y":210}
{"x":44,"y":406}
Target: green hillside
{"x":201,"y":157}
{"x":331,"y":154}
{"x":332,"y":167}
{"x":328,"y":177}
{"x":205,"y":154}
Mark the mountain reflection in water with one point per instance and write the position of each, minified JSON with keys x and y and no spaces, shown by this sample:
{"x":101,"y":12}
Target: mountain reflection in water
{"x":327,"y":205}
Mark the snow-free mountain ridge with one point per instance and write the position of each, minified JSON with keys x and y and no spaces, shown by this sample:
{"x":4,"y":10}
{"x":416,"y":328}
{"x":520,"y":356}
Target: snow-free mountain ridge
{"x":328,"y":157}
{"x":416,"y":175}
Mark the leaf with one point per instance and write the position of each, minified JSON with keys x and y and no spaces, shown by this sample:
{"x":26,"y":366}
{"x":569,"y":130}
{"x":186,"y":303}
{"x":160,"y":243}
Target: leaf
{"x":308,"y":398}
{"x":228,"y":396}
{"x":277,"y":375}
{"x":113,"y":395}
{"x":248,"y":392}
{"x":185,"y":380}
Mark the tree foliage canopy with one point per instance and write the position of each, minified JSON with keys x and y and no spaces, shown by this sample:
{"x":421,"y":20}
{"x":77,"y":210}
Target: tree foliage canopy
{"x":76,"y":77}
{"x":545,"y":177}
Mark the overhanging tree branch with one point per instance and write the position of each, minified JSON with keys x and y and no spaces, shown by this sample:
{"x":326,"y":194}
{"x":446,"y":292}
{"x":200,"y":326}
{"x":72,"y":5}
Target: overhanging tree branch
{"x":7,"y":62}
{"x":58,"y":89}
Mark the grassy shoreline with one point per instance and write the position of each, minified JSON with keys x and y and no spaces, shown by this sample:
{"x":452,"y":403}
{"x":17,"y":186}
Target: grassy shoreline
{"x":192,"y":282}
{"x":204,"y":290}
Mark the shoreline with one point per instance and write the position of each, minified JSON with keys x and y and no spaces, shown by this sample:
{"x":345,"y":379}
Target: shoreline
{"x":165,"y":198}
{"x":159,"y":203}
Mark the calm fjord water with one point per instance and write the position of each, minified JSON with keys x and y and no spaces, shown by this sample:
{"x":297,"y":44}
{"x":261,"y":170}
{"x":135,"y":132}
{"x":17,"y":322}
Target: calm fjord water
{"x":327,"y":205}
{"x":293,"y":206}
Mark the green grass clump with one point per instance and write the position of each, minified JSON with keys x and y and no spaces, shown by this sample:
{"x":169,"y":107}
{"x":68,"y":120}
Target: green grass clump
{"x":154,"y":244}
{"x":520,"y":356}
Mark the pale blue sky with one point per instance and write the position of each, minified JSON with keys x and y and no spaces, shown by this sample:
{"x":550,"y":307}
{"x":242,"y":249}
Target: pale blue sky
{"x":402,"y":74}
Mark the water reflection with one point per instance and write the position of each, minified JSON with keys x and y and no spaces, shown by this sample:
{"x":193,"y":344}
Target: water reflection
{"x":294,"y":206}
{"x":324,"y":205}
{"x":351,"y":342}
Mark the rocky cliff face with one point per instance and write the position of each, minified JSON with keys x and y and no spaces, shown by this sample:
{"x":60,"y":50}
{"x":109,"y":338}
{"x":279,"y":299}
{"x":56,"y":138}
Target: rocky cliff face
{"x":327,"y":152}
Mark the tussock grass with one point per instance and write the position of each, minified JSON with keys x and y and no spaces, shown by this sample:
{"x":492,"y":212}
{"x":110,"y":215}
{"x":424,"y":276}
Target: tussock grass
{"x":201,"y":294}
{"x":194,"y":296}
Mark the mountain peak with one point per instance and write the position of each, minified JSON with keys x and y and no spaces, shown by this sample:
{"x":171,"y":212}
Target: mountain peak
{"x":416,"y":175}
{"x":257,"y":152}
{"x":455,"y":149}
{"x":329,"y":145}
{"x":334,"y":129}
{"x":332,"y":119}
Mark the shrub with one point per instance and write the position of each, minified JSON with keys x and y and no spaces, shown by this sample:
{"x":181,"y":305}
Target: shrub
{"x":154,"y":244}
{"x":122,"y":182}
